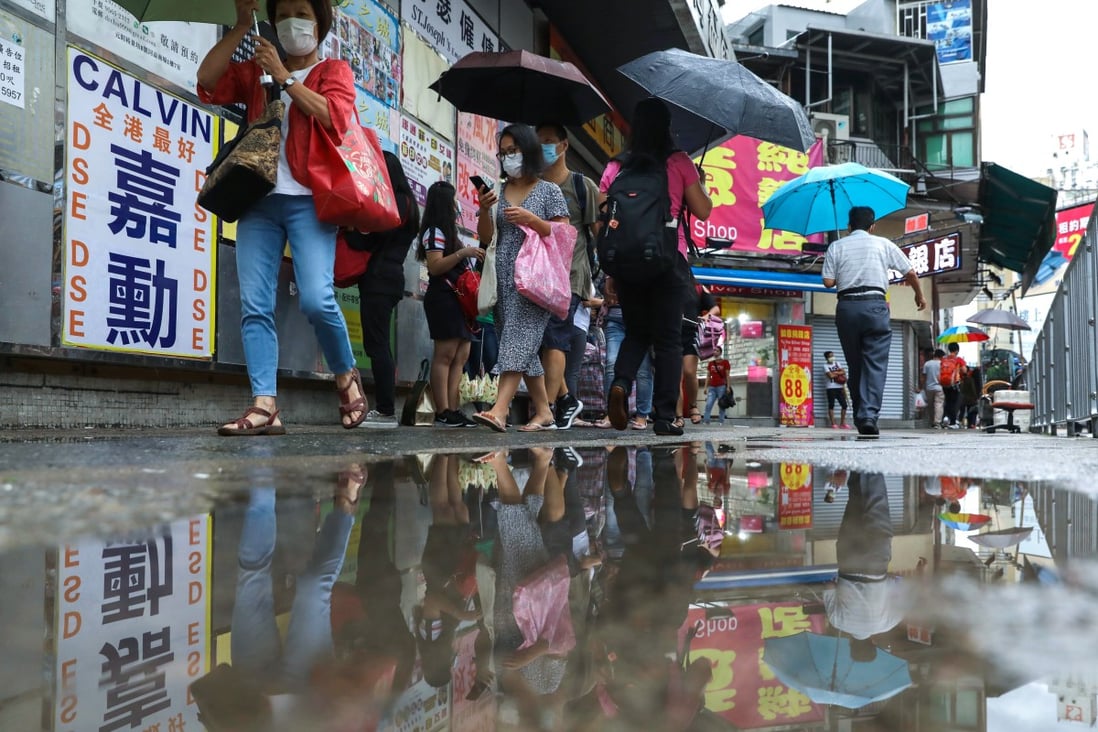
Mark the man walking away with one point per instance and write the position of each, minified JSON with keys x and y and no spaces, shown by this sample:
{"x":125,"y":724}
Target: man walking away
{"x":564,"y":343}
{"x":953,"y":372}
{"x":836,"y":390}
{"x":932,"y":386}
{"x":857,"y":265}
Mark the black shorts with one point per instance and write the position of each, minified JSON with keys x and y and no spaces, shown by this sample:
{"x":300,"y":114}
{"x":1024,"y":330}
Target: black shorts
{"x":445,"y":321}
{"x":689,"y":339}
{"x":559,"y":332}
{"x":836,"y":396}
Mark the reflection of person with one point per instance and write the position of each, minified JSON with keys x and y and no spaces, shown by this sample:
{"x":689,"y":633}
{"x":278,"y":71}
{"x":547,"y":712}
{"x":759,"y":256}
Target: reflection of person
{"x":319,"y":97}
{"x":836,"y":390}
{"x":858,"y":265}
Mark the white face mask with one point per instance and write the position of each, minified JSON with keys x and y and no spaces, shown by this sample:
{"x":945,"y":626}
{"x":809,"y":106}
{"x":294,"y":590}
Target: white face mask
{"x":297,"y":36}
{"x":512,"y":165}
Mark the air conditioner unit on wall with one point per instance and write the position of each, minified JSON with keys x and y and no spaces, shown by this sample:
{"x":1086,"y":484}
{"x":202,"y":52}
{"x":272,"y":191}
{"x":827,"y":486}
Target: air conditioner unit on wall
{"x":831,"y":126}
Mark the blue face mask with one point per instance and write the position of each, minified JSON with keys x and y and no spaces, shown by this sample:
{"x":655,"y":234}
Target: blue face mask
{"x":549,"y":152}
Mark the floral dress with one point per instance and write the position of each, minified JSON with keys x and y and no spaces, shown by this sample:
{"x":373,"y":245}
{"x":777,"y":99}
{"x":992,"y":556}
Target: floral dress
{"x":519,"y":322}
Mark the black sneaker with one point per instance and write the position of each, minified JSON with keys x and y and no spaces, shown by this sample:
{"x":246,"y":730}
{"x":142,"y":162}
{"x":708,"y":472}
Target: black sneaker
{"x":667,"y":428}
{"x":567,"y":409}
{"x":567,"y":458}
{"x":448,"y":418}
{"x":465,"y":418}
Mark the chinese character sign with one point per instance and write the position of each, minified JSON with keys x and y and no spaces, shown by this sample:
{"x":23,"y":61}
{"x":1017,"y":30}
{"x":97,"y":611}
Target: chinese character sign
{"x":450,"y":26}
{"x":795,"y":375}
{"x":374,"y":114}
{"x":13,"y":69}
{"x":132,"y":628}
{"x":933,"y":256}
{"x":740,"y":175}
{"x":476,"y":155}
{"x":949,"y":25}
{"x":795,"y":496}
{"x":139,"y":252}
{"x":426,"y":157}
{"x":743,"y":689}
{"x":367,"y":37}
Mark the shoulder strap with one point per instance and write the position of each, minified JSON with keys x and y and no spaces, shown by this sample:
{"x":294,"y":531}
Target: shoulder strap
{"x":581,"y":195}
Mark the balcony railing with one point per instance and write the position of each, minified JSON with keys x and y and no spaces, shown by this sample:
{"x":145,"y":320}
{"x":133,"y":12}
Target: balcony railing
{"x":893,"y":159}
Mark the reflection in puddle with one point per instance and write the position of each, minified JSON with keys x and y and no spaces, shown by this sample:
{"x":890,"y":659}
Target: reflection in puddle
{"x":662,"y":588}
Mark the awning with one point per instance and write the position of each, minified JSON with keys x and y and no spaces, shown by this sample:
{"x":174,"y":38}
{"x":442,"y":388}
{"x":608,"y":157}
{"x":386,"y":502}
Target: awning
{"x":1019,"y":226}
{"x":790,"y":281}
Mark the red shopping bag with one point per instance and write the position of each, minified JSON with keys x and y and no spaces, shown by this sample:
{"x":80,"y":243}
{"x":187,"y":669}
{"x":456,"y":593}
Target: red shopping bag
{"x":543,"y":265}
{"x":541,"y":609}
{"x":467,"y":288}
{"x":350,"y":181}
{"x":350,"y":264}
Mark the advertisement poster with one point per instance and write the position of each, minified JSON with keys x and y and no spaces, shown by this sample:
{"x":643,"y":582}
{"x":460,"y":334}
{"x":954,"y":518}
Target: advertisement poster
{"x":170,"y":50}
{"x":795,"y":375}
{"x":1071,"y":227}
{"x":476,"y":155}
{"x":139,"y":252}
{"x":795,"y":496}
{"x":367,"y":36}
{"x":132,"y":629}
{"x":13,"y":70}
{"x":949,"y":25}
{"x":470,"y":715}
{"x":450,"y":26}
{"x":373,"y":113}
{"x":426,"y":157}
{"x":933,"y":256}
{"x":740,"y":175}
{"x":743,"y":690}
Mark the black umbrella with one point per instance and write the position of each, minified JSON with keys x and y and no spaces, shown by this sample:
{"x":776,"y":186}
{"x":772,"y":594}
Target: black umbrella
{"x":996,"y":318}
{"x":716,"y":98}
{"x":519,"y":86}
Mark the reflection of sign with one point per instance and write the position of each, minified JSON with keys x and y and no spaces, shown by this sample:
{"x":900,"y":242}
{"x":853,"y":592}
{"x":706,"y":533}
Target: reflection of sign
{"x":420,"y":708}
{"x":425,"y":156}
{"x":466,"y":715}
{"x":919,"y":634}
{"x":795,"y":381}
{"x":139,"y":254}
{"x":367,"y":37}
{"x":132,"y":629}
{"x":949,"y":25}
{"x":13,"y":69}
{"x":743,"y":689}
{"x":476,"y":155}
{"x":170,"y":50}
{"x":742,"y":291}
{"x":932,"y":256}
{"x":450,"y":26}
{"x":741,"y":174}
{"x":795,"y":496}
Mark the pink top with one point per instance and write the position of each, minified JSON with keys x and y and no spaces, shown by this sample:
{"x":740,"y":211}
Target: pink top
{"x":681,"y":174}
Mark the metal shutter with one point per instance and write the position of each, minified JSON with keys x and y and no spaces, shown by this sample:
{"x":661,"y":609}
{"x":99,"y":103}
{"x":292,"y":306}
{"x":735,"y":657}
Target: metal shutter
{"x":826,"y":517}
{"x":826,"y":338}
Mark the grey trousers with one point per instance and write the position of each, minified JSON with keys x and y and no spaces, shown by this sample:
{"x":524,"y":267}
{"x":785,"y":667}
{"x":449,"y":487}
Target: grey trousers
{"x":865,"y":333}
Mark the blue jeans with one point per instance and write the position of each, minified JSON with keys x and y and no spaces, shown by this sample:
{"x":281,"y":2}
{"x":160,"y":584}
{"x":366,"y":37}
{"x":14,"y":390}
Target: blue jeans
{"x":615,"y":334}
{"x":261,"y":236}
{"x":256,"y":647}
{"x":713,"y":394}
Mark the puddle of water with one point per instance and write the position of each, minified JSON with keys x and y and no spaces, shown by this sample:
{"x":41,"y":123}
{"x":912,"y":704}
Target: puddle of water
{"x":570,"y":589}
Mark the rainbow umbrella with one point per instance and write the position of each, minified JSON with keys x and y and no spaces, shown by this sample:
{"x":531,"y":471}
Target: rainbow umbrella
{"x":962,"y":334}
{"x":964,"y":521}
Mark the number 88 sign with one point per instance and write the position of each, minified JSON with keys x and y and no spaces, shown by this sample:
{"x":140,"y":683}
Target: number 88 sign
{"x":795,"y":375}
{"x":795,"y":385}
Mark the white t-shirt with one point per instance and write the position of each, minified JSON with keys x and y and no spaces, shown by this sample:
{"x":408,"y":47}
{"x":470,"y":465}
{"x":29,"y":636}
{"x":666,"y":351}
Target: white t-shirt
{"x":286,"y":183}
{"x":832,"y":368}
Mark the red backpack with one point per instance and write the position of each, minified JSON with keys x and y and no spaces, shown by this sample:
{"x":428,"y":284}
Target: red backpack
{"x":952,"y":370}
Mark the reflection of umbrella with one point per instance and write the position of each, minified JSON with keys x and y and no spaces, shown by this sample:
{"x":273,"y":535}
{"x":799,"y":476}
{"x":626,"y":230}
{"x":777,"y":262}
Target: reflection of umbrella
{"x":715,"y":96}
{"x":221,"y":12}
{"x":821,"y":199}
{"x":962,"y":334}
{"x":964,"y":521}
{"x":1003,"y":538}
{"x":996,"y":318}
{"x":519,"y":86}
{"x":820,"y":667}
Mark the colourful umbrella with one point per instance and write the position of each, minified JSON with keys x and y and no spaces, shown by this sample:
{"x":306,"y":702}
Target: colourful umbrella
{"x":962,"y":334}
{"x":964,"y":521}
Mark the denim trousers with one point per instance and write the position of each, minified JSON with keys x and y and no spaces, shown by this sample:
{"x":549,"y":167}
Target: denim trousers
{"x":713,"y":394}
{"x":261,"y":236}
{"x":615,"y":334}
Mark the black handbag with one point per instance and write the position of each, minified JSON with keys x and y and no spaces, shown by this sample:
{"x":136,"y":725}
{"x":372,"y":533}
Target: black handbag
{"x":727,"y":400}
{"x":246,"y":168}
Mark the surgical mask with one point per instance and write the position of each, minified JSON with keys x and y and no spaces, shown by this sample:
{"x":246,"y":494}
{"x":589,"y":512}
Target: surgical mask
{"x":297,"y":36}
{"x":549,"y":150}
{"x":512,"y":165}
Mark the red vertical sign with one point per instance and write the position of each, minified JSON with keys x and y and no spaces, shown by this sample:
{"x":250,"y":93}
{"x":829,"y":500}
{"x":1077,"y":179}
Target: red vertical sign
{"x":795,"y":375}
{"x":795,"y":496}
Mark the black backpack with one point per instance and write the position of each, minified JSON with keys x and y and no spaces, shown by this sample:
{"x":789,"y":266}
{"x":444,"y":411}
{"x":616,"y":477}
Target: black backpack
{"x":585,"y":230}
{"x":639,"y":237}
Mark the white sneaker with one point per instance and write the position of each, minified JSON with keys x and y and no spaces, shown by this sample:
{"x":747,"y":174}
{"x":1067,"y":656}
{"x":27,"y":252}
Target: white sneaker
{"x":377,"y":420}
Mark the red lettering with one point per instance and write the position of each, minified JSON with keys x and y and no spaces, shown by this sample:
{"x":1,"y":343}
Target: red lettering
{"x":79,"y":205}
{"x":80,"y":172}
{"x":77,"y":293}
{"x":72,"y":588}
{"x":200,"y":214}
{"x":81,"y":136}
{"x":194,"y":532}
{"x":192,"y":635}
{"x":68,"y":709}
{"x":198,"y":339}
{"x":199,"y":240}
{"x":72,"y":557}
{"x":76,"y":323}
{"x":72,"y":624}
{"x":201,"y":281}
{"x":195,"y":559}
{"x":194,"y":663}
{"x":194,"y":594}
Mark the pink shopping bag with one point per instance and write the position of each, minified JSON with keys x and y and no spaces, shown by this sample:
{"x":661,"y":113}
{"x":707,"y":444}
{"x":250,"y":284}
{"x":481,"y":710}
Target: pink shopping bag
{"x":541,"y":608}
{"x":542,"y":267}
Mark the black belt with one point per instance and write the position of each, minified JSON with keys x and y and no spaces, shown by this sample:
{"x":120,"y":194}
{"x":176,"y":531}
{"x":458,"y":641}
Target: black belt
{"x":863,"y":291}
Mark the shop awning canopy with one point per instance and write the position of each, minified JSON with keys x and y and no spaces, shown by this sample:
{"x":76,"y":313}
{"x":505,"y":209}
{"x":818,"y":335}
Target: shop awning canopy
{"x":792,"y":281}
{"x":1019,"y":226}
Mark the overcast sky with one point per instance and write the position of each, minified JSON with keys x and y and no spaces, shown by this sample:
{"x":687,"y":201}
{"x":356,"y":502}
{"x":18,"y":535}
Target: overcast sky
{"x":1039,"y":69}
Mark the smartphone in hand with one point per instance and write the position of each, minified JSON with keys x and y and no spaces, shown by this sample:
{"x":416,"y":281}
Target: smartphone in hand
{"x":481,"y":185}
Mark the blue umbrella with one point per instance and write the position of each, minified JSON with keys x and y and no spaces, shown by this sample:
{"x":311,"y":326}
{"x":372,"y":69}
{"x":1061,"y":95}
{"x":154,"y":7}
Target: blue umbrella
{"x":821,"y":668}
{"x":821,"y":199}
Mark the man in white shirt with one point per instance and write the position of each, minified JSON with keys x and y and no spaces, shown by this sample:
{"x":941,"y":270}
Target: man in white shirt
{"x":932,"y":387}
{"x":857,"y":265}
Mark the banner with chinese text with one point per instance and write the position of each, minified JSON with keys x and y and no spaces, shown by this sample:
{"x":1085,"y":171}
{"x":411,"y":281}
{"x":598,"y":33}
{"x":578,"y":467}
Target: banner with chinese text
{"x":132,"y":629}
{"x":744,"y":690}
{"x":1071,"y":226}
{"x":795,"y":496}
{"x":452,"y":27}
{"x":741,"y":174}
{"x":476,"y":155}
{"x":367,"y":37}
{"x":426,"y":157}
{"x":374,"y":114}
{"x":139,"y":251}
{"x":949,"y":26}
{"x":795,"y":375}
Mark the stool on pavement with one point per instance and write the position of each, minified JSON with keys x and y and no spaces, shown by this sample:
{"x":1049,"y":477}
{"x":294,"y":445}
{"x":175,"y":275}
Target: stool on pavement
{"x":1007,"y":400}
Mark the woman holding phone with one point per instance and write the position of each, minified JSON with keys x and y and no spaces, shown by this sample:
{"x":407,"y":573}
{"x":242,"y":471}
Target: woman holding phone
{"x":525,"y":200}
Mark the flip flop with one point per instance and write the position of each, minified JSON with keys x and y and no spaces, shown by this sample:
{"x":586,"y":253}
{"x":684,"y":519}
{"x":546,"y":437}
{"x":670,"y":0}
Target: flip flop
{"x":535,"y":427}
{"x":486,"y":419}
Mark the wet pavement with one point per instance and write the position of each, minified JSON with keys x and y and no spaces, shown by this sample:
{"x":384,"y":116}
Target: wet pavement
{"x":432,"y":580}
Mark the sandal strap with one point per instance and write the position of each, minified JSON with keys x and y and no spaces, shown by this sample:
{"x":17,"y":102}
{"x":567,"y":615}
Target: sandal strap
{"x":246,"y":424}
{"x":346,"y":406}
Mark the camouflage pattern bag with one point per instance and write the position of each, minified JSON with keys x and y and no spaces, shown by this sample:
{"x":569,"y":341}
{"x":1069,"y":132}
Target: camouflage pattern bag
{"x":245,"y":169}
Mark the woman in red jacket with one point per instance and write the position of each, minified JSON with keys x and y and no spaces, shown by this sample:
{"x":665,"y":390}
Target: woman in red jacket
{"x":319,"y":97}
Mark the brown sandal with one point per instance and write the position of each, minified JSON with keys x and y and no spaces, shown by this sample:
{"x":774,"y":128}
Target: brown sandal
{"x":245,"y":428}
{"x":347,"y":407}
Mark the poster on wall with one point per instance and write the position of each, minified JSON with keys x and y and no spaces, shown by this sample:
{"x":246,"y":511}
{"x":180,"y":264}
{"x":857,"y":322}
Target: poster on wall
{"x":139,"y":253}
{"x":170,"y":50}
{"x":740,"y":175}
{"x":132,"y":626}
{"x":42,"y":8}
{"x":476,"y":155}
{"x":451,"y":27}
{"x":949,"y":25}
{"x":795,"y":496}
{"x":795,"y":375}
{"x":13,"y":72}
{"x":373,"y":113}
{"x":426,"y":157}
{"x":367,"y":36}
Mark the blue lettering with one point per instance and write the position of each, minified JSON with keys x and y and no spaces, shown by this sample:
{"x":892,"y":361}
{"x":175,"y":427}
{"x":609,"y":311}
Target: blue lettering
{"x":114,"y":88}
{"x":78,"y":65}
